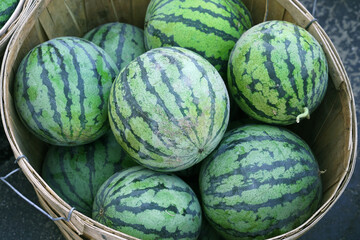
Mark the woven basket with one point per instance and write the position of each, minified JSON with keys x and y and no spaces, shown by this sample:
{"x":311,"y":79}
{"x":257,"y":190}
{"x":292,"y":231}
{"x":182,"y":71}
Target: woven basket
{"x":331,"y":132}
{"x":17,"y":19}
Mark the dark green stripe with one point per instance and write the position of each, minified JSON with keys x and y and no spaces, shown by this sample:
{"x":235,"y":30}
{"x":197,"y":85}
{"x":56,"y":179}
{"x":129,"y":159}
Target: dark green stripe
{"x":136,"y":109}
{"x":252,"y":183}
{"x":212,"y":95}
{"x":296,"y":145}
{"x":104,"y":35}
{"x":245,"y":15}
{"x":302,"y":55}
{"x":294,"y":218}
{"x":97,"y":76}
{"x":51,"y":91}
{"x":137,"y":175}
{"x":197,"y":24}
{"x":111,"y":69}
{"x":126,"y":126}
{"x":169,"y":41}
{"x":231,"y":19}
{"x":117,"y":180}
{"x":25,"y":95}
{"x":178,"y":99}
{"x":239,"y":96}
{"x":156,"y":5}
{"x":80,"y":83}
{"x":65,"y":79}
{"x":163,"y":232}
{"x":90,"y":164}
{"x":291,"y":69}
{"x":120,"y":45}
{"x":63,"y":160}
{"x":269,"y":64}
{"x":53,"y":180}
{"x":137,"y":193}
{"x":165,"y":39}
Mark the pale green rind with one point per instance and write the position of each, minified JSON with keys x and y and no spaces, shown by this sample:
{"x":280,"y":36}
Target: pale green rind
{"x":76,"y":173}
{"x":169,"y":108}
{"x":275,"y":70}
{"x":61,"y":91}
{"x":260,"y":182}
{"x":148,"y":205}
{"x":123,"y":42}
{"x":209,"y":28}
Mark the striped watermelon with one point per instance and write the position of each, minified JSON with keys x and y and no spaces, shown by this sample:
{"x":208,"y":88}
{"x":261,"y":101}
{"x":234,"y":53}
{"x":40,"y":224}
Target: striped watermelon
{"x":277,"y":73}
{"x":209,"y":28}
{"x":76,"y":173}
{"x":260,"y":182}
{"x":123,"y":42}
{"x":61,"y":91}
{"x":7,"y":7}
{"x":169,"y":108}
{"x":148,"y":205}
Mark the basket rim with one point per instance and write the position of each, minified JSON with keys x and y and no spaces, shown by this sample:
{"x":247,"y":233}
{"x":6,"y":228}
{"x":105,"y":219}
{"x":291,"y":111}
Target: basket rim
{"x":86,"y":222}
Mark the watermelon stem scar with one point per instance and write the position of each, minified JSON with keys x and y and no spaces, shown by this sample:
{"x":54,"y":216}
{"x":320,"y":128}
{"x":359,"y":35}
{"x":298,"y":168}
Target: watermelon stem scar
{"x":305,"y":114}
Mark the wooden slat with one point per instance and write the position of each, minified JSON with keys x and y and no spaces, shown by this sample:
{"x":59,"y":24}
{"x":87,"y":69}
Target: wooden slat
{"x":138,"y":12}
{"x":123,"y":10}
{"x":99,"y":12}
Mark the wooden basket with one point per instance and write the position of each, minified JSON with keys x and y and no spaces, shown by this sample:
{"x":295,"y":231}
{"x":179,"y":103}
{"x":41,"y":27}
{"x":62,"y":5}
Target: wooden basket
{"x":17,"y":19}
{"x":331,"y":132}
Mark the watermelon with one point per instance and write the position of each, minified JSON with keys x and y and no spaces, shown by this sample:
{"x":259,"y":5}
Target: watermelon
{"x":260,"y":182}
{"x":76,"y":173}
{"x":148,"y":205}
{"x":123,"y":42}
{"x":209,"y":28}
{"x":169,"y":108}
{"x":61,"y":91}
{"x":277,"y":73}
{"x":7,"y":8}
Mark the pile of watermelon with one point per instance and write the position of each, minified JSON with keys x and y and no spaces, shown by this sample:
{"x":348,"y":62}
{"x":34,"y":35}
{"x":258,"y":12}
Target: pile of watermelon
{"x":180,"y":130}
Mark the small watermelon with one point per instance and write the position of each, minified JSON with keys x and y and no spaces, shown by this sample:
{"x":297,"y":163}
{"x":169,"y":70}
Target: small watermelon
{"x":123,"y":42}
{"x":260,"y":182}
{"x":7,"y":8}
{"x":62,"y":88}
{"x":148,"y":205}
{"x":76,"y":173}
{"x":169,"y":108}
{"x":277,"y":73}
{"x":209,"y":28}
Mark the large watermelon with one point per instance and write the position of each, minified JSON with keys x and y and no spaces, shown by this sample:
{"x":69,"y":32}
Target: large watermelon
{"x":277,"y":72}
{"x":123,"y":42}
{"x":209,"y":28}
{"x":76,"y":173}
{"x":148,"y":205}
{"x":261,"y":181}
{"x":7,"y":7}
{"x":169,"y":108}
{"x":61,"y":91}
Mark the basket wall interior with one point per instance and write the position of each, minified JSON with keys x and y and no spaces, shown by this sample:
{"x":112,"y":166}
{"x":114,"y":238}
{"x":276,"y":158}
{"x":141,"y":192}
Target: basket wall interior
{"x":327,"y":132}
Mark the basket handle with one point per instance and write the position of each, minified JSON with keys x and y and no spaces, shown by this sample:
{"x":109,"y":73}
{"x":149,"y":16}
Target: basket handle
{"x":3,"y":179}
